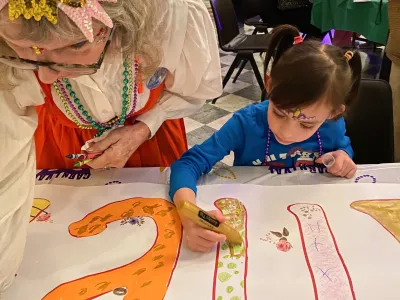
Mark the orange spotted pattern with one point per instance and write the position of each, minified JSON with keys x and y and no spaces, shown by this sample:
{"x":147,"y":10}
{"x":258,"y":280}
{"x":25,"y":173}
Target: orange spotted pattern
{"x":145,"y":278}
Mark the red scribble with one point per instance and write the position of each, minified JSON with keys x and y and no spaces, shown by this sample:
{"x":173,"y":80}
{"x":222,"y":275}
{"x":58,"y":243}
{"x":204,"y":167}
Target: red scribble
{"x":43,"y":218}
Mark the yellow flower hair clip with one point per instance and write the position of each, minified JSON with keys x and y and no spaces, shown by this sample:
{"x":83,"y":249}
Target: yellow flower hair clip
{"x":37,"y":50}
{"x":81,"y":12}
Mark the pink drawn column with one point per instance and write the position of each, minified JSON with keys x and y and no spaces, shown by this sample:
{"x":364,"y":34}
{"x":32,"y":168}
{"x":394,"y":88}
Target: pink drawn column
{"x":330,"y":277}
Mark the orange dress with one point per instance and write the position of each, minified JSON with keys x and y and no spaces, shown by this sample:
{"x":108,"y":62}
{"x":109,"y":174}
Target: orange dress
{"x":56,"y":136}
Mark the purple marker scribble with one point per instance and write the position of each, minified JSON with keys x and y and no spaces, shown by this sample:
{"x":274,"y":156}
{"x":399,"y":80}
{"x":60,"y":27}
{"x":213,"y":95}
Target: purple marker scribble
{"x":315,"y":244}
{"x":372,"y":178}
{"x":48,"y":174}
{"x":325,"y":273}
{"x":113,"y":182}
{"x":321,"y":169}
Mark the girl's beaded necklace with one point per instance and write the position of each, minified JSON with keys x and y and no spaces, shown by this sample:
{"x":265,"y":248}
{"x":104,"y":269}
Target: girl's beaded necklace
{"x":269,"y":139}
{"x":83,"y":120}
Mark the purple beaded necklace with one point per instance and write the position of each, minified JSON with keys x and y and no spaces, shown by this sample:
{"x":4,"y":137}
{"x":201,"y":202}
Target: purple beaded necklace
{"x":269,"y":139}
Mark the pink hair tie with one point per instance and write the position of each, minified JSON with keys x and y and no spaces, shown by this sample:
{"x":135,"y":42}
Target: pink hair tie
{"x":297,"y":40}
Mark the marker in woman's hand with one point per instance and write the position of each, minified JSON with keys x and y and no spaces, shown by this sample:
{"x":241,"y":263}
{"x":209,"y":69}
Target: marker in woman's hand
{"x":82,"y":163}
{"x":84,"y":155}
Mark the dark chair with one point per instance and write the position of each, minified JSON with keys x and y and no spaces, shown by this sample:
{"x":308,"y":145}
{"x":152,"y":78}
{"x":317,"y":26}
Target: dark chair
{"x":370,"y":123}
{"x":231,"y":40}
{"x":251,"y":10}
{"x":258,"y":24}
{"x":259,"y":27}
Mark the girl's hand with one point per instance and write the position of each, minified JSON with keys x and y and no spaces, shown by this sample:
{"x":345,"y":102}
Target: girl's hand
{"x":118,"y":146}
{"x":339,"y":164}
{"x":197,"y":238}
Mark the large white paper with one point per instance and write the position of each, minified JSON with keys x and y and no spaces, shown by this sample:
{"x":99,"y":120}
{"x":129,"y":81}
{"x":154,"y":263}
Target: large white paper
{"x":344,"y":254}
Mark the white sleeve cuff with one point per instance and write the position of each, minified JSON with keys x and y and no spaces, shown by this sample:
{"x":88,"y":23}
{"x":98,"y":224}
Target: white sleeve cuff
{"x":153,"y":118}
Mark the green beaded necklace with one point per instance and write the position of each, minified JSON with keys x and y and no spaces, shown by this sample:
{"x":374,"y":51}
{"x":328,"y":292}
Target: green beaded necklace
{"x":85,"y":117}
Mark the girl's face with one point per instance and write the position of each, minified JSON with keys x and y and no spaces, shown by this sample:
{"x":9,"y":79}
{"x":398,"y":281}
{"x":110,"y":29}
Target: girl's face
{"x":297,"y":125}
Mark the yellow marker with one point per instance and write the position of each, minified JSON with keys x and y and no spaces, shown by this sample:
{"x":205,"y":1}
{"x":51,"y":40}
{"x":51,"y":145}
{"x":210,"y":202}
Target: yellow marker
{"x":204,"y":220}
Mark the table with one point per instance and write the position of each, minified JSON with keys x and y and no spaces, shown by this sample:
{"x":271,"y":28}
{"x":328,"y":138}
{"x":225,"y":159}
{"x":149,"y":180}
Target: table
{"x":316,"y":217}
{"x":368,"y":18}
{"x":384,"y":173}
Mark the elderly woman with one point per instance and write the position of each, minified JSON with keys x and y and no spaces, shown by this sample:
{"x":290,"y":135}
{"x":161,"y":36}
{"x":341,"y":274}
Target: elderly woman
{"x":108,"y":76}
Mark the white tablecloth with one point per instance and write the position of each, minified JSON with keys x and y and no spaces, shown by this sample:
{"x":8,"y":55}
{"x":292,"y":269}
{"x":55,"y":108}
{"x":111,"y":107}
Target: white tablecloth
{"x":385,"y":173}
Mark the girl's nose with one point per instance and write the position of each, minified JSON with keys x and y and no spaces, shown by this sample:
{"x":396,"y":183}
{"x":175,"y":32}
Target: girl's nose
{"x":287,"y":130}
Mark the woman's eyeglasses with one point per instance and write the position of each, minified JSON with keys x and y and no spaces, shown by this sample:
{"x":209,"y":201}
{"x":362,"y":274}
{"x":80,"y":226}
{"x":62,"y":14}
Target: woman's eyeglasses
{"x":27,"y":64}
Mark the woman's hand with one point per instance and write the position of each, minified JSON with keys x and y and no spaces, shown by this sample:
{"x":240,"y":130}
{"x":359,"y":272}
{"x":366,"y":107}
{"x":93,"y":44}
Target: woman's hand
{"x":197,"y":238}
{"x":118,"y":146}
{"x":339,"y":164}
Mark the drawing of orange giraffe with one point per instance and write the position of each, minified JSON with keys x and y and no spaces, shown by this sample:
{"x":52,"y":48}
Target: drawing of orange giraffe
{"x":145,"y":278}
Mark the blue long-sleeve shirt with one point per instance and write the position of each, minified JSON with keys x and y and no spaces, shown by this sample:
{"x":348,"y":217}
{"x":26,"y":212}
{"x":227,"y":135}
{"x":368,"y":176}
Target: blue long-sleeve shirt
{"x":246,"y":135}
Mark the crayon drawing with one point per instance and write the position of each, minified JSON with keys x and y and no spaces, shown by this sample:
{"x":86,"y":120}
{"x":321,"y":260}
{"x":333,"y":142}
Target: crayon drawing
{"x":329,"y":274}
{"x":145,"y":278}
{"x":38,"y":210}
{"x":279,"y":239}
{"x":300,"y":242}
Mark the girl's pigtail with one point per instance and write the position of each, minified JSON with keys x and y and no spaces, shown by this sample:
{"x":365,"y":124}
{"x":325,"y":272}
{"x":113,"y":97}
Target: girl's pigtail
{"x":282,"y":38}
{"x":356,"y":68}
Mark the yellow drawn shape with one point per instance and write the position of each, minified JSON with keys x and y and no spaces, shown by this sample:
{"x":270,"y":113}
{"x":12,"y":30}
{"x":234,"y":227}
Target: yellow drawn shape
{"x":385,"y":212}
{"x":235,"y":213}
{"x":38,"y":207}
{"x":220,"y":172}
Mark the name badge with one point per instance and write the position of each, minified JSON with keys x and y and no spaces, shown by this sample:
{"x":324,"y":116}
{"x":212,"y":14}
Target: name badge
{"x":157,"y":78}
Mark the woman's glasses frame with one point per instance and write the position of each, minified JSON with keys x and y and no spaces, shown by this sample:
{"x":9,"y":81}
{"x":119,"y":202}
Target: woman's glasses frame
{"x":91,"y":69}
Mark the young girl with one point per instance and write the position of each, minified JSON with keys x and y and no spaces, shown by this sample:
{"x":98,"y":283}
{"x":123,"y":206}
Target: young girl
{"x":309,"y":88}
